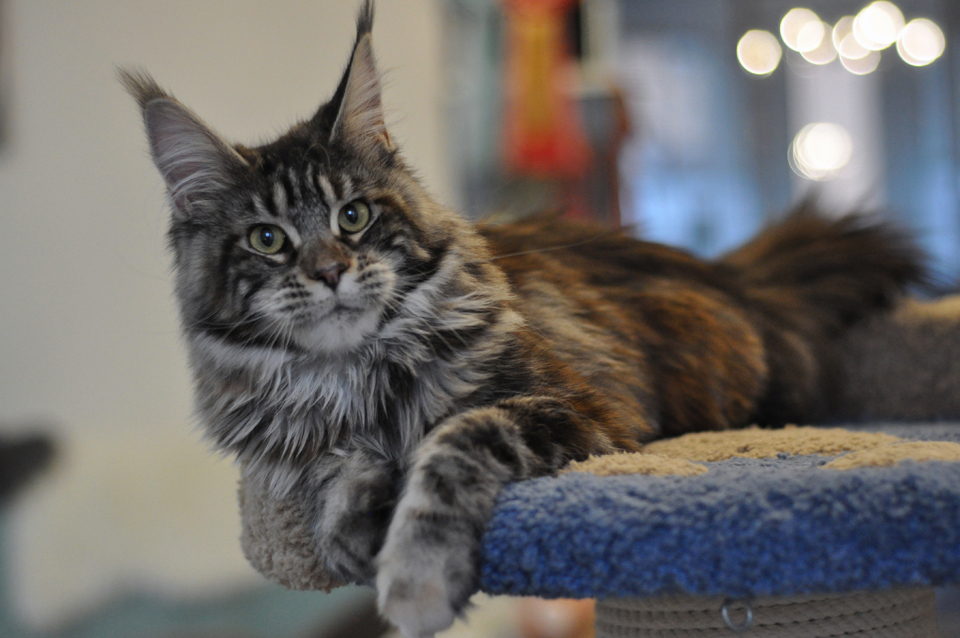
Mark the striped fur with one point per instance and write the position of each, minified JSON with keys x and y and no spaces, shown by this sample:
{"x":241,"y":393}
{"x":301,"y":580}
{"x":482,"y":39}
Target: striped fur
{"x":441,"y":360}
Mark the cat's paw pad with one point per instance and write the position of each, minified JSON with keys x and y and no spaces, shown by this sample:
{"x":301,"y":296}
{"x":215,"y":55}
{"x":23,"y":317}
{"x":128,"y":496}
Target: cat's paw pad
{"x":415,"y":598}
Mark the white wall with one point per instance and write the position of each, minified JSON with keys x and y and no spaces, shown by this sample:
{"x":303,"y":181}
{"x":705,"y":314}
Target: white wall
{"x":88,"y":331}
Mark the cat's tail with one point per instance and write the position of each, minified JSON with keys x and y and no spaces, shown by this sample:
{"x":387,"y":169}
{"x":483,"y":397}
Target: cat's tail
{"x":835,"y":270}
{"x":807,"y":279}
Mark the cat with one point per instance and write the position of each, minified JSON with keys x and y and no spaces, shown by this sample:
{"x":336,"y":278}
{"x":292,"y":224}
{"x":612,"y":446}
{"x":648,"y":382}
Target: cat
{"x":351,"y":337}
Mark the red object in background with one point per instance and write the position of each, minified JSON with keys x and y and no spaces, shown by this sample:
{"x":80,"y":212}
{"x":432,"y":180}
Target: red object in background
{"x":542,"y":134}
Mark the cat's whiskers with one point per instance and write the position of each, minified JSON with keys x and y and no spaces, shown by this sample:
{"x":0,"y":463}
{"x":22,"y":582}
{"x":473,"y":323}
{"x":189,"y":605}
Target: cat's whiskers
{"x":282,"y":335}
{"x":589,"y":240}
{"x":198,"y":323}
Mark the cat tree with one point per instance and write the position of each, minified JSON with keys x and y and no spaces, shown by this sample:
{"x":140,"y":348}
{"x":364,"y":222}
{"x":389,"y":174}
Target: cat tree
{"x":796,"y":532}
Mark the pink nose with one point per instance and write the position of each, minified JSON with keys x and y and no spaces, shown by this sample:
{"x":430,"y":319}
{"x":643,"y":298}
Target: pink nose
{"x":330,"y":274}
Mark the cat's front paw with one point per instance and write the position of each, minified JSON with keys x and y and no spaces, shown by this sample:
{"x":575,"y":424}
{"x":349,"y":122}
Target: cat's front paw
{"x":426,"y":570}
{"x":414,"y":596}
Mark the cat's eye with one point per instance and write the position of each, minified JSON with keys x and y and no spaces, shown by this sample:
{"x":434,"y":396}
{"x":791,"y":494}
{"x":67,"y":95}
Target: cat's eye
{"x":354,"y":217}
{"x":267,"y":239}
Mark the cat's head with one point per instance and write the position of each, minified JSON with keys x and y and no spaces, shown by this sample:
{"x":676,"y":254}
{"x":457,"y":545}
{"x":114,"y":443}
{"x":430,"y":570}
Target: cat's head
{"x":307,"y":243}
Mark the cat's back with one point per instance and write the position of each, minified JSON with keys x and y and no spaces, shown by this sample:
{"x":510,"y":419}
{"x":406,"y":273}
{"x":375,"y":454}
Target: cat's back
{"x":576,"y":254}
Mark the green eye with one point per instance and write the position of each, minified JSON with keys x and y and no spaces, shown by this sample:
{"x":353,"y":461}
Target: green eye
{"x":354,"y":217}
{"x":267,"y":239}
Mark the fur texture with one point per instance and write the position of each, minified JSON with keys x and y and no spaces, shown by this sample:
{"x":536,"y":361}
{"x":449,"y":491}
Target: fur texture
{"x":350,"y":336}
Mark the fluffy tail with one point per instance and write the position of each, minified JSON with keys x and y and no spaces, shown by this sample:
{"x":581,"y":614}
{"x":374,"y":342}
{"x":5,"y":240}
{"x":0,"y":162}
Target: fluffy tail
{"x":839,"y":269}
{"x":808,"y":278}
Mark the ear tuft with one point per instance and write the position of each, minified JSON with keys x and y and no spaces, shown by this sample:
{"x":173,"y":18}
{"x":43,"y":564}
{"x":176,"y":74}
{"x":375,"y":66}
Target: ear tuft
{"x":365,"y":19}
{"x":140,"y":86}
{"x":359,"y":119}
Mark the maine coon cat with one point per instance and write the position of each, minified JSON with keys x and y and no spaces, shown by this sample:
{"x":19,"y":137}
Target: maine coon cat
{"x":349,"y":335}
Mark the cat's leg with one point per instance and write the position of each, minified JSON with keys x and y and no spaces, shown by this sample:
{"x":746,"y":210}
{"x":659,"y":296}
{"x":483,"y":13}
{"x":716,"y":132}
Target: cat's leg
{"x":357,"y":495}
{"x":428,"y":567}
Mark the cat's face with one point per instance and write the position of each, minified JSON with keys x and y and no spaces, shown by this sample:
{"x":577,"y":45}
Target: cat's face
{"x":304,"y":256}
{"x":306,"y":244}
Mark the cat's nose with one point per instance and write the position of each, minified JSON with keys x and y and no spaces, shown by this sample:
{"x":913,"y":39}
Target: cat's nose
{"x":330,"y":274}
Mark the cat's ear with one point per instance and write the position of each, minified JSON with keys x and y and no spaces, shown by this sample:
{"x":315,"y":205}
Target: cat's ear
{"x":359,"y":119}
{"x":194,"y":161}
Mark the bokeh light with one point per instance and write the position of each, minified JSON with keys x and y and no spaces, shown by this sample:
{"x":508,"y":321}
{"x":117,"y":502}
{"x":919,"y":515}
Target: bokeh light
{"x":921,"y":42}
{"x":823,"y":54}
{"x":810,"y":37}
{"x":861,"y":66}
{"x":842,"y":29}
{"x":851,"y":49}
{"x":820,"y":150}
{"x":792,"y":26}
{"x":856,"y":40}
{"x":878,"y":25}
{"x":759,"y":52}
{"x":855,"y":58}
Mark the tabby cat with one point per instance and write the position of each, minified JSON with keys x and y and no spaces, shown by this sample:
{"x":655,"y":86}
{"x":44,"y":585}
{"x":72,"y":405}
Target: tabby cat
{"x":350,"y":336}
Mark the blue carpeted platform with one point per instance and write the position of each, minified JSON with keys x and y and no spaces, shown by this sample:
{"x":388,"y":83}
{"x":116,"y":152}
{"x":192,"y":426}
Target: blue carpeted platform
{"x":747,"y":527}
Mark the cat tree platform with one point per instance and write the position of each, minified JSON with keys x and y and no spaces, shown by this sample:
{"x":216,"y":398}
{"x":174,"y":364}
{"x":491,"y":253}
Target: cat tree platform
{"x":854,"y":517}
{"x":811,"y":531}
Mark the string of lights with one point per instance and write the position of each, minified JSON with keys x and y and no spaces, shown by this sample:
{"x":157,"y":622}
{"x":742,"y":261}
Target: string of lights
{"x":856,"y":40}
{"x":821,"y":149}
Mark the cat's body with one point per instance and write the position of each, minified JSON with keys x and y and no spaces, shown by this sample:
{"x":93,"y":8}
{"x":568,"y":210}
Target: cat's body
{"x":352,"y":338}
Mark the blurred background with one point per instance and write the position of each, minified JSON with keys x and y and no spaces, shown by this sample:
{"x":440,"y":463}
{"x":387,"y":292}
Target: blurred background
{"x":690,"y":122}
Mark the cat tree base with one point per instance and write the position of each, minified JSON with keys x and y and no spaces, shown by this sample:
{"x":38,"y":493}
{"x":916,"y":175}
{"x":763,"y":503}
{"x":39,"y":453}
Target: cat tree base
{"x":898,"y":613}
